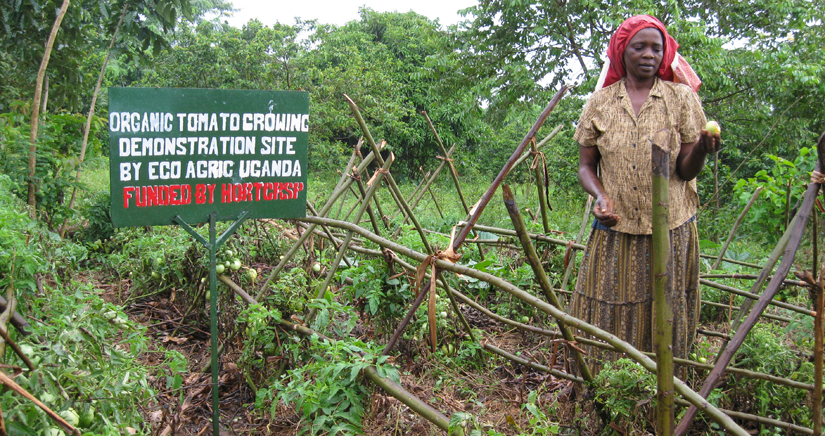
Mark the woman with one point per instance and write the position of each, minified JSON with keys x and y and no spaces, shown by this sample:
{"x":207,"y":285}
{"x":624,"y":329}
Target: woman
{"x":614,"y":131}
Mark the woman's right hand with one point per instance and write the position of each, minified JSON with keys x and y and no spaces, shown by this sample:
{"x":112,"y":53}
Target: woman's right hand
{"x":603,"y":211}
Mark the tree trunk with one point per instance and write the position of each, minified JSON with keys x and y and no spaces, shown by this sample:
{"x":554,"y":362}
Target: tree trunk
{"x":38,"y":90}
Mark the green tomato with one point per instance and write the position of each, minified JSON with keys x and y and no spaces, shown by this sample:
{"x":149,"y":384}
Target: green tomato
{"x":443,"y":314}
{"x":525,"y":319}
{"x":155,"y":275}
{"x":87,"y":417}
{"x":220,"y":268}
{"x":713,"y":128}
{"x":208,"y":296}
{"x":703,"y":360}
{"x":252,"y":274}
{"x":47,"y":398}
{"x":71,"y":416}
{"x":235,"y":265}
{"x":54,"y":431}
{"x":160,"y":261}
{"x":229,"y":253}
{"x":316,"y":267}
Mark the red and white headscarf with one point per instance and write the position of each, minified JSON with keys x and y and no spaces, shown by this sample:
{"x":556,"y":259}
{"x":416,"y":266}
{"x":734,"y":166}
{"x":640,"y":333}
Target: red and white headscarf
{"x":674,"y":67}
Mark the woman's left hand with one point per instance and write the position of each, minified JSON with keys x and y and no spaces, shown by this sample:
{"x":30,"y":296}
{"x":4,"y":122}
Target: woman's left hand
{"x":709,"y":142}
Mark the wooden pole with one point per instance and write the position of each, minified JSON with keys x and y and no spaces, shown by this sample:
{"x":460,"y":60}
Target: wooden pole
{"x":787,"y":260}
{"x":479,"y":208}
{"x":735,"y":226}
{"x":541,"y":277}
{"x":662,"y":310}
{"x":539,"y":168}
{"x":620,"y":345}
{"x":435,"y":200}
{"x":453,"y":172}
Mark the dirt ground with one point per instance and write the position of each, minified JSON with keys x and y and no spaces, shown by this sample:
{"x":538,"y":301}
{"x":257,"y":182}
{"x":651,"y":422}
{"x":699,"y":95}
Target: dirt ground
{"x":494,"y":397}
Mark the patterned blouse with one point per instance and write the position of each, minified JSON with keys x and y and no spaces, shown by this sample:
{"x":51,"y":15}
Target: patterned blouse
{"x":609,"y":122}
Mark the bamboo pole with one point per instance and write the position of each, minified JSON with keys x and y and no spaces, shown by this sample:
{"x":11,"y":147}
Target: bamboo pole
{"x":541,"y":144}
{"x":417,"y":197}
{"x":329,"y":233}
{"x":435,"y":201}
{"x":392,"y":388}
{"x":390,"y":180}
{"x":16,"y":348}
{"x":621,"y":346}
{"x":35,"y":117}
{"x":365,"y":205}
{"x":662,"y":311}
{"x":569,"y":270}
{"x":493,"y":349}
{"x":747,"y":277}
{"x":787,"y":260}
{"x":368,"y":201}
{"x":453,"y":172}
{"x":735,"y":226}
{"x":539,"y":171}
{"x":6,"y":380}
{"x":541,"y":277}
{"x":749,"y":296}
{"x":344,"y":183}
{"x":818,"y":358}
{"x":556,"y":241}
{"x":554,"y":334}
{"x":758,"y":419}
{"x":479,"y":208}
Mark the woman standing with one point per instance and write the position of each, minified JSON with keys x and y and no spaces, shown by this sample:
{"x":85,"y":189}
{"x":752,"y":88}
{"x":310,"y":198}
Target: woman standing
{"x":639,"y":98}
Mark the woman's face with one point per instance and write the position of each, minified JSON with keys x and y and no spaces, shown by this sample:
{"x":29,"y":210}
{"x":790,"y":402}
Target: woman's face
{"x":643,"y":54}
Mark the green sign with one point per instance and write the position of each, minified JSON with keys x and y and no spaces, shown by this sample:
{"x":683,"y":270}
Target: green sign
{"x":189,"y":152}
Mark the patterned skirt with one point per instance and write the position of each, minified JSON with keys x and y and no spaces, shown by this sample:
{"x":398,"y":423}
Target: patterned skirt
{"x":614,"y":289}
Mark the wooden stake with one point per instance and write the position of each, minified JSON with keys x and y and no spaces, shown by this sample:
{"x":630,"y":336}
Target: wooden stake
{"x":662,"y":310}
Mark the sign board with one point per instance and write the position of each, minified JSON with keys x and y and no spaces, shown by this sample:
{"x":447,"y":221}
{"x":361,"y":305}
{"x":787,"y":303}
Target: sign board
{"x":189,"y":152}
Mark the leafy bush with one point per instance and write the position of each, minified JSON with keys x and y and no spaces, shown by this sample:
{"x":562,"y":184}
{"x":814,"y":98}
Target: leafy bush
{"x":79,"y":364}
{"x":326,"y":388}
{"x":628,"y":392}
{"x":768,"y":212}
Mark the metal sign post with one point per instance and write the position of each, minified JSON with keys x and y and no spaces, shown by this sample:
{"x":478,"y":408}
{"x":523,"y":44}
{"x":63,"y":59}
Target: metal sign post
{"x":191,"y":156}
{"x":212,"y":245}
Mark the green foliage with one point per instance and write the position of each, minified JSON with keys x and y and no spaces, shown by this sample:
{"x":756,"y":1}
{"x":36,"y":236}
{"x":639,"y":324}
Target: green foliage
{"x":80,"y":365}
{"x":769,"y":211}
{"x":383,"y":297}
{"x":57,"y":151}
{"x":326,"y":388}
{"x":765,"y":350}
{"x":19,"y":260}
{"x":627,"y":391}
{"x":289,"y":293}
